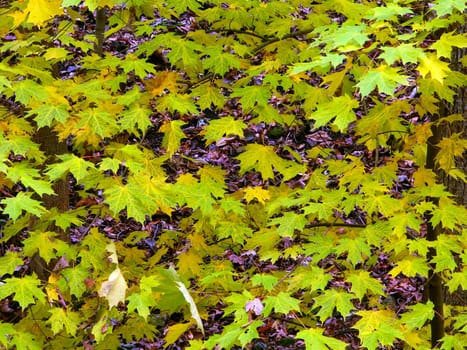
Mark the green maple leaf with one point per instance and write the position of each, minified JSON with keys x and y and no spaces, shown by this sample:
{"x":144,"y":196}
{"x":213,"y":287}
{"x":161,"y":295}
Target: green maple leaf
{"x":356,"y":248}
{"x":6,"y":330}
{"x":457,"y":279}
{"x":208,"y":95}
{"x":46,"y":114}
{"x":384,"y":77}
{"x":64,"y":319}
{"x":418,"y":315}
{"x":44,"y":242}
{"x":282,"y":303}
{"x":182,"y":50}
{"x":250,"y":95}
{"x":173,"y":135}
{"x":100,"y":122}
{"x":75,"y":278}
{"x":267,"y":281}
{"x":212,"y":180}
{"x":264,"y":159}
{"x":9,"y":262}
{"x":14,"y":206}
{"x":65,"y":219}
{"x":120,"y":197}
{"x":225,"y":126}
{"x":444,"y":44}
{"x":309,"y":278}
{"x":362,"y":283}
{"x":219,"y":61}
{"x":378,"y":328}
{"x":348,"y":37}
{"x":314,"y":339}
{"x":448,"y":215}
{"x":141,"y":302}
{"x":139,"y":66}
{"x":340,"y":107}
{"x":407,"y":53}
{"x":27,"y":175}
{"x":25,"y":90}
{"x":288,"y":223}
{"x":136,"y":118}
{"x":79,"y":167}
{"x":18,"y":145}
{"x":410,"y":267}
{"x":389,"y":12}
{"x":184,"y":104}
{"x":445,"y":7}
{"x":25,"y":289}
{"x":333,"y":299}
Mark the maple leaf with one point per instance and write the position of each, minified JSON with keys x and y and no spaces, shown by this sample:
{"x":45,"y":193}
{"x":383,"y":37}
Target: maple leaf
{"x":75,"y":278}
{"x":166,"y":80}
{"x":63,"y":319}
{"x":250,"y":95}
{"x":47,"y":114}
{"x":26,"y":90}
{"x":258,"y":193}
{"x":438,"y":70}
{"x":377,"y":328}
{"x":175,"y":331}
{"x":28,"y":176}
{"x":410,"y":267}
{"x":114,"y":288}
{"x":389,"y":12}
{"x":14,"y":206}
{"x":218,"y":128}
{"x":208,"y":95}
{"x":282,"y":303}
{"x":417,"y":315}
{"x":443,"y":45}
{"x":40,"y":11}
{"x":267,"y":281}
{"x":288,"y":223}
{"x":384,"y":77}
{"x":340,"y":107}
{"x":9,"y":262}
{"x":314,"y":339}
{"x":135,"y":119}
{"x":177,"y":102}
{"x":219,"y":61}
{"x":407,"y":53}
{"x":445,"y":7}
{"x":44,"y":242}
{"x":78,"y":167}
{"x":173,"y":135}
{"x":141,"y":302}
{"x":100,"y":122}
{"x":333,"y":299}
{"x":25,"y":289}
{"x":140,"y":67}
{"x":362,"y":282}
{"x":356,"y":248}
{"x":264,"y":159}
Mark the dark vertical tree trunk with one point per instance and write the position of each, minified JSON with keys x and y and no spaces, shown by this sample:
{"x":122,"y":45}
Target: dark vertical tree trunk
{"x":435,"y":291}
{"x":100,"y":30}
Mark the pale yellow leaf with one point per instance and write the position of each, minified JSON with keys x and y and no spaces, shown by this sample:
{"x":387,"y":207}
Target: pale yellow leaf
{"x":114,"y":288}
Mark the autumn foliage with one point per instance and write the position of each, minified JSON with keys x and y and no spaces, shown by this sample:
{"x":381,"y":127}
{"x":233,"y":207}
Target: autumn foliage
{"x":202,"y":173}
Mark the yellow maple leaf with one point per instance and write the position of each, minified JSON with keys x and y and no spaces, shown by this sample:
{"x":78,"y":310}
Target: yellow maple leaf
{"x":258,"y":193}
{"x":162,"y":81}
{"x":431,"y":64}
{"x":40,"y":11}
